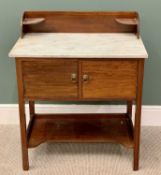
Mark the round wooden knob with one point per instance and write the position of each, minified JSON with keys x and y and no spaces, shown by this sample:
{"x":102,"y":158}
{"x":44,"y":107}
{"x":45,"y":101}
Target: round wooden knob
{"x":74,"y":77}
{"x":85,"y":77}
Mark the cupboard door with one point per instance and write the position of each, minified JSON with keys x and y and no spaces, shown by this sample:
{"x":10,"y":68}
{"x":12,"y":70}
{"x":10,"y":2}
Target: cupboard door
{"x":50,"y":79}
{"x":111,"y":79}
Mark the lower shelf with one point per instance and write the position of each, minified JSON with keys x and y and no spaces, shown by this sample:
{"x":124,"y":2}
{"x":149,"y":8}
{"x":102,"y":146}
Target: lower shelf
{"x":114,"y":128}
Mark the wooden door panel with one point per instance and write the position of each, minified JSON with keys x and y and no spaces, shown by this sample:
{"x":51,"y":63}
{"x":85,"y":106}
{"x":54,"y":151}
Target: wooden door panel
{"x":50,"y":78}
{"x":109,"y":79}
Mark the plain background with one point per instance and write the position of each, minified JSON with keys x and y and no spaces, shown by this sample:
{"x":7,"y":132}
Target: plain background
{"x":149,"y":10}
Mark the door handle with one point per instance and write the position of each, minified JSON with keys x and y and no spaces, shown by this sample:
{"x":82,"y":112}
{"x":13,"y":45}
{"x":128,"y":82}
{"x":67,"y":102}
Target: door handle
{"x":74,"y":77}
{"x":85,"y":78}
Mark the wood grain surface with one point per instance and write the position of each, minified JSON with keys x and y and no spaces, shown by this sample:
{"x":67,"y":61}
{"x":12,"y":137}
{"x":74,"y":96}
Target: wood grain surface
{"x":110,"y":79}
{"x":79,"y":22}
{"x":50,"y":79}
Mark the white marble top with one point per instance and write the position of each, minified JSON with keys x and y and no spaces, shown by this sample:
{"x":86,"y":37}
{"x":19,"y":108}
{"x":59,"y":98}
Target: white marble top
{"x":79,"y":45}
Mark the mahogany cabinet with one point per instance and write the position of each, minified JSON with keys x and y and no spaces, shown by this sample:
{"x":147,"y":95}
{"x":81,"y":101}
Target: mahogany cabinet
{"x":100,"y":57}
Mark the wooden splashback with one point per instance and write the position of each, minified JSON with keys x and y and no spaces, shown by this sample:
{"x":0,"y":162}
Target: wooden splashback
{"x":80,"y":22}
